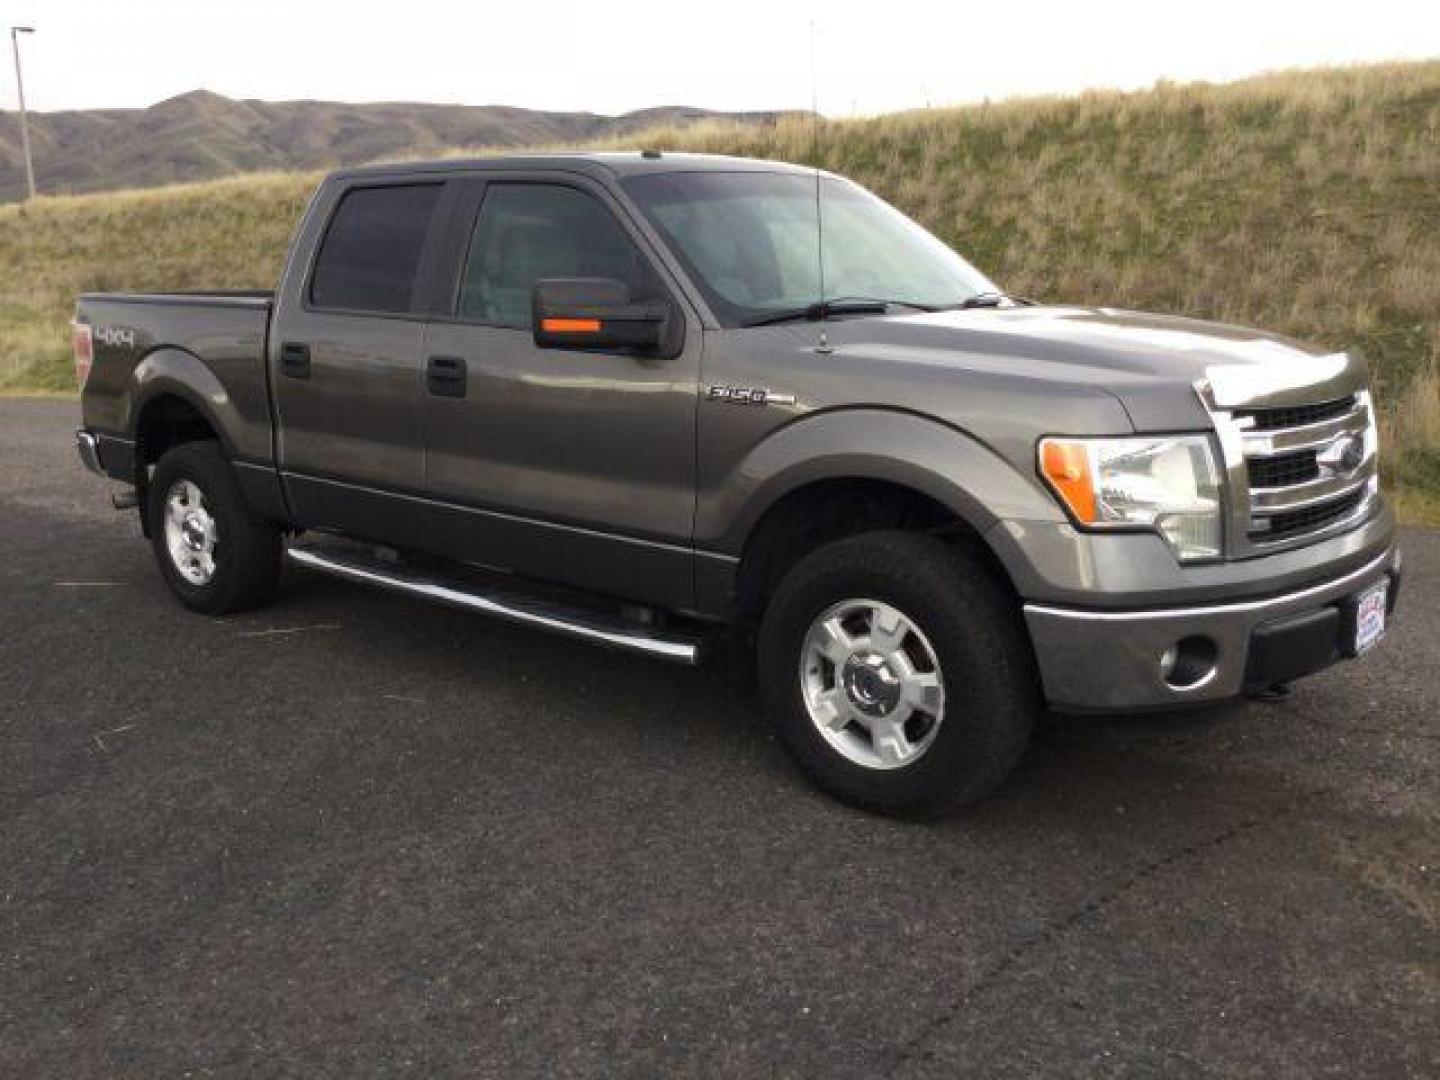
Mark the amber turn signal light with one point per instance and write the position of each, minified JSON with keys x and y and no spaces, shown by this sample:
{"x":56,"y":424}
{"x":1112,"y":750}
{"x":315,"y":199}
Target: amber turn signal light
{"x":1066,"y":468}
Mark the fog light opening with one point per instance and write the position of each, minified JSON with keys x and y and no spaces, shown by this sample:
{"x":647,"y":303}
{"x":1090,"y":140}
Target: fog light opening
{"x":1189,"y":663}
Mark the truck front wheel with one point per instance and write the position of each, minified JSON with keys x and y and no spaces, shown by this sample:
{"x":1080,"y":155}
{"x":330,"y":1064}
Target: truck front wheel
{"x":898,"y":673}
{"x":214,"y":553}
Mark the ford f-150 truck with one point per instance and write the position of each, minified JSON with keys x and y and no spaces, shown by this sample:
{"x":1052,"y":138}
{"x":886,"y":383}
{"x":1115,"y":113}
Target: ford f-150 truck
{"x":645,"y":399}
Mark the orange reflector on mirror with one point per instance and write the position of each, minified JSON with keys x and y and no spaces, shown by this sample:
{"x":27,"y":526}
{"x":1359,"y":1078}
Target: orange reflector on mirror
{"x":570,"y":326}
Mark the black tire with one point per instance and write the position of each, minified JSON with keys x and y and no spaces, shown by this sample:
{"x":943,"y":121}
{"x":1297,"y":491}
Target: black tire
{"x":247,"y":548}
{"x":975,"y":629}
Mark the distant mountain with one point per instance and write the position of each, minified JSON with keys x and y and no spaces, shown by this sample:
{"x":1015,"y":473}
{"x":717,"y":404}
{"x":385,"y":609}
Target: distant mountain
{"x":201,"y":135}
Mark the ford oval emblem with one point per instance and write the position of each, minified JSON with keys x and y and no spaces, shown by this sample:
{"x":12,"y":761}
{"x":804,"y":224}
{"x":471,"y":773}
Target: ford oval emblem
{"x":1344,"y":455}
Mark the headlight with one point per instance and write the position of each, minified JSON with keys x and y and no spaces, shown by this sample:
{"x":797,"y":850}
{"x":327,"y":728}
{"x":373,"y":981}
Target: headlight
{"x":1168,"y":483}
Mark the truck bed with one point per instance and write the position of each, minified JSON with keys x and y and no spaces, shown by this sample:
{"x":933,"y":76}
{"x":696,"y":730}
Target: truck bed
{"x":208,"y":346}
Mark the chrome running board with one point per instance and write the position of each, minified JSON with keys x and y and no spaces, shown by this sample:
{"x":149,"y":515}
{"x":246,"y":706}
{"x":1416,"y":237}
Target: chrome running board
{"x":592,"y":626}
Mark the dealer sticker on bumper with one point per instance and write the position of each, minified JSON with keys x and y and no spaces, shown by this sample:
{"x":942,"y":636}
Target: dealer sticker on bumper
{"x":1370,"y":615}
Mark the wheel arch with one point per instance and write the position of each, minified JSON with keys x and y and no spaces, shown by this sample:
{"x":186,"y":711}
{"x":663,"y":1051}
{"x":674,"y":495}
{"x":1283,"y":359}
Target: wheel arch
{"x":852,"y":471}
{"x":175,"y":397}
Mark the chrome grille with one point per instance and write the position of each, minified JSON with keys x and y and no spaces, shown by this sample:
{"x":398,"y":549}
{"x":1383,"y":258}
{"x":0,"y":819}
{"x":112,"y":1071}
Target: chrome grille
{"x":1283,"y":470}
{"x":1296,"y":472}
{"x":1307,"y":519}
{"x":1296,"y":415}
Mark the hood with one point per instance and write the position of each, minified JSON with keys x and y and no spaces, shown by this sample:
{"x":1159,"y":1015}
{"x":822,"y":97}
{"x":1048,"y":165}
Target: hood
{"x":1151,"y":363}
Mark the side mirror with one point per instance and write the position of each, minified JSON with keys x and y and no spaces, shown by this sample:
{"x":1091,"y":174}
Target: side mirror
{"x":596,"y":313}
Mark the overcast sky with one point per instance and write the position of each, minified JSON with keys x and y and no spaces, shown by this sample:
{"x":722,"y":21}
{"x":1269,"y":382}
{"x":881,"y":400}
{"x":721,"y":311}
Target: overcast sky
{"x":737,"y":54}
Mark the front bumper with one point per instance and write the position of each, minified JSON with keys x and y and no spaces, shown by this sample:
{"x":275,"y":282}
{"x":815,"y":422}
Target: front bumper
{"x":1111,"y":660}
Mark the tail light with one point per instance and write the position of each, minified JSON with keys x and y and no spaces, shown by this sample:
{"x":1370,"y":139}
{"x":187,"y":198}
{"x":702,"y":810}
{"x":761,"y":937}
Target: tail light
{"x":83,"y":345}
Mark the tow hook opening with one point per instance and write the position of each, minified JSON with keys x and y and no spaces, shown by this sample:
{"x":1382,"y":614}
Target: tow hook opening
{"x":1190,"y":663}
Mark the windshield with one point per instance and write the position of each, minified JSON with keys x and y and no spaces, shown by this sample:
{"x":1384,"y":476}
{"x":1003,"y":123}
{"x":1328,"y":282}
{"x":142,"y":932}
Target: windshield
{"x":749,"y":241}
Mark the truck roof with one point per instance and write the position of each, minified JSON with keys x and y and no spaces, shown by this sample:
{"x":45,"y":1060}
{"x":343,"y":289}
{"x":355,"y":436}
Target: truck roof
{"x":611,"y":162}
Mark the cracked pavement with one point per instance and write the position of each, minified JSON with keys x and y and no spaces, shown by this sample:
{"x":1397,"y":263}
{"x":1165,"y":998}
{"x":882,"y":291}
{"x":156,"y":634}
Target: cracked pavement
{"x":353,"y":835}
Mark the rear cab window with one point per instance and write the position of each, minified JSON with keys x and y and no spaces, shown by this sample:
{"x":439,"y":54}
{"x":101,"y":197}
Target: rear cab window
{"x":370,"y":256}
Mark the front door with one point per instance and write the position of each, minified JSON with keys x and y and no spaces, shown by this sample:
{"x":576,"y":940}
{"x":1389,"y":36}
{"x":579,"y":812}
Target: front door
{"x":570,"y":465}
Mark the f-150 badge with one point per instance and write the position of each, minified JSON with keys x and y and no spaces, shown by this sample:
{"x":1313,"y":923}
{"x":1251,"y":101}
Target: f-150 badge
{"x":747,"y":395}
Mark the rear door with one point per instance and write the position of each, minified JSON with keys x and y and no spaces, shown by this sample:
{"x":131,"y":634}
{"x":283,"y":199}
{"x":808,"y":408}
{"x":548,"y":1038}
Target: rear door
{"x":571,"y":465}
{"x":345,"y":357}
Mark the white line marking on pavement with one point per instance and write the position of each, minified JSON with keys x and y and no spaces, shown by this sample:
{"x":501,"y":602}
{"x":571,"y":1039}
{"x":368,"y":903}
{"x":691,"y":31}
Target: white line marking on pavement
{"x":278,"y":631}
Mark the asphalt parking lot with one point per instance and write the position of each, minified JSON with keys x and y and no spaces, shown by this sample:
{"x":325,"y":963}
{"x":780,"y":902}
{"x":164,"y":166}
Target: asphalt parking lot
{"x":354,"y":835}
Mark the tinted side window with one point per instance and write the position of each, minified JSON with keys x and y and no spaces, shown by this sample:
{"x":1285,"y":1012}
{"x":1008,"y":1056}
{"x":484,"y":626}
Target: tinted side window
{"x":526,"y":232}
{"x":371,"y":251}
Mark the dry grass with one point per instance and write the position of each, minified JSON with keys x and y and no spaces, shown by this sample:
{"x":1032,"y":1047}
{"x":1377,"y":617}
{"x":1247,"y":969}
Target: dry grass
{"x":1305,"y":202}
{"x":222,"y":234}
{"x":1410,"y":442}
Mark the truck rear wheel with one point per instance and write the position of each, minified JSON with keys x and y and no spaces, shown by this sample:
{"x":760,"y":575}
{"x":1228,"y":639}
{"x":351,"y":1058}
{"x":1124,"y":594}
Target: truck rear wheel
{"x":214,"y":553}
{"x":897,"y":672}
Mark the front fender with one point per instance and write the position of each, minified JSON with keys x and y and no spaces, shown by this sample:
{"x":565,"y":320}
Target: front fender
{"x":942,"y":462}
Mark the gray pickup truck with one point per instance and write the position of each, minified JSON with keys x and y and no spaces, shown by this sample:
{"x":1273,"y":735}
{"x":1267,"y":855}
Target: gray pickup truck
{"x":650,"y":399}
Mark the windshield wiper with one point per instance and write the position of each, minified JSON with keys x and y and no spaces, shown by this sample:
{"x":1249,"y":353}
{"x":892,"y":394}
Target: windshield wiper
{"x":991,"y":299}
{"x":842,"y":305}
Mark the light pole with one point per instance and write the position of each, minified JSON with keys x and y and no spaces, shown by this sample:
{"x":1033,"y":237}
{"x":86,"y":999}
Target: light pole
{"x":15,"y":32}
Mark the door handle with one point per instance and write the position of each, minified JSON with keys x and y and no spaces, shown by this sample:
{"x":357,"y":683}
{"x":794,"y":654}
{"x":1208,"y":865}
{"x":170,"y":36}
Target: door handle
{"x":445,"y":376}
{"x":295,"y":360}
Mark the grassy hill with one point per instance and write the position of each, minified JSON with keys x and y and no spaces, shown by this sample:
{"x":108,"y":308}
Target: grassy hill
{"x":1304,"y":202}
{"x":201,"y":136}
